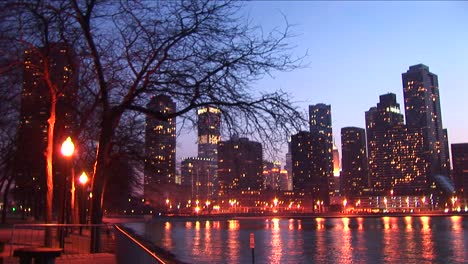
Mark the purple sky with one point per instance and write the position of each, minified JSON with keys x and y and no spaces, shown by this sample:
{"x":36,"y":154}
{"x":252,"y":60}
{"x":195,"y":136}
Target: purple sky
{"x":358,"y":51}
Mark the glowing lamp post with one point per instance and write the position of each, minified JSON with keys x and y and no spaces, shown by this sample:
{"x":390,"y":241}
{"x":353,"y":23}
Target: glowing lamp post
{"x":67,"y":150}
{"x":83,"y":179}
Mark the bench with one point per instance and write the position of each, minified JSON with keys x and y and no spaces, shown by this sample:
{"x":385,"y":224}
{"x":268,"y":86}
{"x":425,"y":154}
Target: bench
{"x":41,"y":255}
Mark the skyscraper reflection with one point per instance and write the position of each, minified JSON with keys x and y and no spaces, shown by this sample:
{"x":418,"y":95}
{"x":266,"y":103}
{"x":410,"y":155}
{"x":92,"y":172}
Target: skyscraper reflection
{"x":316,"y":240}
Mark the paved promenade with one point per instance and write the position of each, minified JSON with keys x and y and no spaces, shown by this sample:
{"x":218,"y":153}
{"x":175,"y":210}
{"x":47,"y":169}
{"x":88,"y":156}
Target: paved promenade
{"x":80,"y":258}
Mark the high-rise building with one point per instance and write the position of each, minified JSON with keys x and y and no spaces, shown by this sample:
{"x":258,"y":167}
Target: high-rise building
{"x":209,"y":132}
{"x":160,"y":143}
{"x":378,"y":121}
{"x":460,"y":168}
{"x":354,"y":175}
{"x":422,"y":110}
{"x":396,"y":154}
{"x":197,"y":174}
{"x":320,"y":121}
{"x":272,"y":175}
{"x":240,"y":165}
{"x":209,"y":135}
{"x":307,"y":175}
{"x":54,"y":65}
{"x":288,"y":168}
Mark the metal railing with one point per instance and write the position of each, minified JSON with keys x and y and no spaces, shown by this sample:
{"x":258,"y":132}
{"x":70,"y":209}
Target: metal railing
{"x":130,"y":250}
{"x":73,"y":238}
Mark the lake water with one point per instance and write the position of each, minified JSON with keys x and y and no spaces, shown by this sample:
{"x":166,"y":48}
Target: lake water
{"x":313,"y":240}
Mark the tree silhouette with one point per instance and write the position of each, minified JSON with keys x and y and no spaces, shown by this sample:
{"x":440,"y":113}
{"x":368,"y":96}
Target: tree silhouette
{"x":198,"y":52}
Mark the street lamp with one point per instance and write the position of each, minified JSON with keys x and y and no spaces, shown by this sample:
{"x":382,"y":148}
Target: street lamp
{"x":67,"y":149}
{"x":83,"y":179}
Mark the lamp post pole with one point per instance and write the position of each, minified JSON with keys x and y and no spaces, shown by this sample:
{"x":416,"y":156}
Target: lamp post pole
{"x":83,"y":179}
{"x":68,"y":148}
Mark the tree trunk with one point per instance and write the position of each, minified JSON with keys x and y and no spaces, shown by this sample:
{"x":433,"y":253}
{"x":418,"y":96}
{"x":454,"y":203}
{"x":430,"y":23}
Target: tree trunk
{"x":49,"y":171}
{"x":99,"y":180}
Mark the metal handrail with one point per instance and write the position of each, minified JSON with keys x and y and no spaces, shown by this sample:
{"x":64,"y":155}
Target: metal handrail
{"x":140,"y":246}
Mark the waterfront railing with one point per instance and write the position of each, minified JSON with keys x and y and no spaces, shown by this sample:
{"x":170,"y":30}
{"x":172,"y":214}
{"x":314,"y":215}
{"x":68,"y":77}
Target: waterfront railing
{"x":72,"y":238}
{"x":130,"y":250}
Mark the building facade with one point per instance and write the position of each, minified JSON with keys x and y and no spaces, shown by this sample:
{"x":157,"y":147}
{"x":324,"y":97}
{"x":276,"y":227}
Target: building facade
{"x":378,"y":121}
{"x":422,"y":110}
{"x":240,"y":165}
{"x":320,"y":121}
{"x":197,"y":173}
{"x":307,"y":177}
{"x":354,"y":174}
{"x":272,"y":175}
{"x":460,"y":169}
{"x":160,"y":146}
{"x":397,"y":162}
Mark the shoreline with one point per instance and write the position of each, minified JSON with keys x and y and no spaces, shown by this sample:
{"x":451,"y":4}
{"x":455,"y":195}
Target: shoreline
{"x":146,"y":218}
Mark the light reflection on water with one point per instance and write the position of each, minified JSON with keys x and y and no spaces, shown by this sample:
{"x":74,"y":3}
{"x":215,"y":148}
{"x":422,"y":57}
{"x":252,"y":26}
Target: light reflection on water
{"x":314,"y":240}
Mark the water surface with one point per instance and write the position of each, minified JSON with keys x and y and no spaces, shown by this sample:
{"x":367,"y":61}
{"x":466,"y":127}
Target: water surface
{"x":313,"y":240}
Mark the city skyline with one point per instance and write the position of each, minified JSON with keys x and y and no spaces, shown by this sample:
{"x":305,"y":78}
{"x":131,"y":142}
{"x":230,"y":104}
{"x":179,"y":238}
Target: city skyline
{"x":358,"y":51}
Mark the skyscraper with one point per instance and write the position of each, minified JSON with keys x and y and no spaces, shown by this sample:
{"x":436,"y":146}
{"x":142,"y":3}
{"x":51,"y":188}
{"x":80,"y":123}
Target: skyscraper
{"x":160,"y":143}
{"x":209,"y":132}
{"x":460,"y":169}
{"x":307,"y":175}
{"x":320,"y":122}
{"x":422,"y":110}
{"x":54,"y":65}
{"x":396,"y":160}
{"x":378,"y":121}
{"x":354,"y":173}
{"x":195,"y":173}
{"x":271,"y":175}
{"x":209,"y":135}
{"x":240,"y":165}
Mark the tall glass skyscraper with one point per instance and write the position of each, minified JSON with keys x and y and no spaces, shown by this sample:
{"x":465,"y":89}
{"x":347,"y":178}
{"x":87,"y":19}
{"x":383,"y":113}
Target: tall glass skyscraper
{"x":354,"y":175}
{"x":160,"y":141}
{"x":209,"y":135}
{"x":320,"y":122}
{"x":422,"y":110}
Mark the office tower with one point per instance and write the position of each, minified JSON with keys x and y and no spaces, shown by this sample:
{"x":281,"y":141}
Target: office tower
{"x":320,"y":122}
{"x":271,"y":175}
{"x":288,"y":163}
{"x":160,"y":144}
{"x":56,"y":65}
{"x":422,"y":110}
{"x":396,"y":154}
{"x":209,"y":135}
{"x":378,"y":121}
{"x":209,"y":132}
{"x":354,"y":175}
{"x":460,"y":169}
{"x":196,"y":173}
{"x":307,"y":177}
{"x":240,"y":164}
{"x":285,"y":181}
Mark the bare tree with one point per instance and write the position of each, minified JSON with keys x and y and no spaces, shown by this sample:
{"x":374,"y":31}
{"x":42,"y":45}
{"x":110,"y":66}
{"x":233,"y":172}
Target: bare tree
{"x":200,"y":53}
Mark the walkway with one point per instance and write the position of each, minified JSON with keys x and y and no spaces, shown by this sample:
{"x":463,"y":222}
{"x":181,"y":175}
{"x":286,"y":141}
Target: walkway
{"x":87,"y":258}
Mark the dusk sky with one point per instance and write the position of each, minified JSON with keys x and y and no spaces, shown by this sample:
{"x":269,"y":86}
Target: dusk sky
{"x":358,"y":51}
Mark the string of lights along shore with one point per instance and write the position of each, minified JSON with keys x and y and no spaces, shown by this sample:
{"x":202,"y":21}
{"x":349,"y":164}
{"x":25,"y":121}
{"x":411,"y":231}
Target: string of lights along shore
{"x":399,"y":161}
